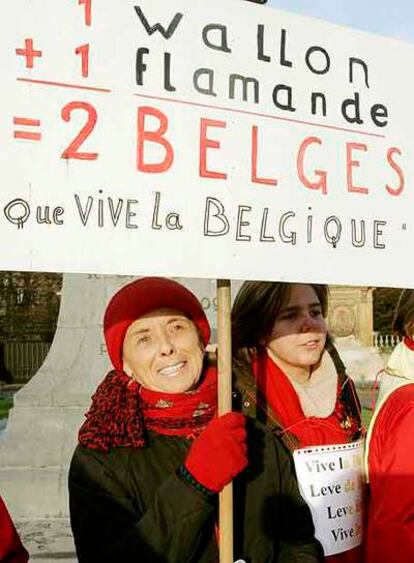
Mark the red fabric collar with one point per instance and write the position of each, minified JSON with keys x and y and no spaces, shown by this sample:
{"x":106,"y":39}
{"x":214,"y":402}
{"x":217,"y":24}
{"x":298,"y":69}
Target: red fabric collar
{"x":409,"y":342}
{"x":121,"y":411}
{"x":277,"y":390}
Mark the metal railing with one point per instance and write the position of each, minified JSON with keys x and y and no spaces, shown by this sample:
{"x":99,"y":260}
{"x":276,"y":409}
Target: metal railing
{"x":23,"y":359}
{"x":385,"y":341}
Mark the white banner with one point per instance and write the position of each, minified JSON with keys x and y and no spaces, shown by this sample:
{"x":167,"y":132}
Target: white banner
{"x":206,"y":139}
{"x":330,"y":480}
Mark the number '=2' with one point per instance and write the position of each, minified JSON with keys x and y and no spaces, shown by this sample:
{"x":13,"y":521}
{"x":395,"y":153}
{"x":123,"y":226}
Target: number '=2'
{"x":72,"y":151}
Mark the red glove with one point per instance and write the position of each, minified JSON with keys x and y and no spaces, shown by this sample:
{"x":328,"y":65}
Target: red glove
{"x":220,"y":452}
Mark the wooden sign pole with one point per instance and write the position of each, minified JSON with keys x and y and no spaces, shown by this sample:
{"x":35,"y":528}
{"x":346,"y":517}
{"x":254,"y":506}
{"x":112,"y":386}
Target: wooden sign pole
{"x":224,"y":405}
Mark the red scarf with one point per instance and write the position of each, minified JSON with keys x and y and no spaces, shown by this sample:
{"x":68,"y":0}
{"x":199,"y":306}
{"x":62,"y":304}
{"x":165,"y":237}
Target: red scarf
{"x":181,"y":414}
{"x":409,"y":342}
{"x":276,"y":389}
{"x":122,"y":410}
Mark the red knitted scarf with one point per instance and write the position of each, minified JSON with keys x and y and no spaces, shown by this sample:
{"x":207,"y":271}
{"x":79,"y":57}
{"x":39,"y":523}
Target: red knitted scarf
{"x":122,"y":410}
{"x":280,"y":395}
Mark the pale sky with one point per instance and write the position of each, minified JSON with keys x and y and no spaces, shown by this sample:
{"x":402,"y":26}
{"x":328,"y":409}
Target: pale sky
{"x":393,"y":19}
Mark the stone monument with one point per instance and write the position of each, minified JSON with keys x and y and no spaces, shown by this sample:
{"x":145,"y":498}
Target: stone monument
{"x":351,"y":323}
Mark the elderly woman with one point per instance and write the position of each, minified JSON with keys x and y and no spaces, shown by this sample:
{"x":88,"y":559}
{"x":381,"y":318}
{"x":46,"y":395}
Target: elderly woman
{"x":390,"y":450}
{"x":288,"y":373}
{"x":152,"y":456}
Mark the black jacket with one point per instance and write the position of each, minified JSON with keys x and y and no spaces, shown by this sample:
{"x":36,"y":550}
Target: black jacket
{"x":132,"y":505}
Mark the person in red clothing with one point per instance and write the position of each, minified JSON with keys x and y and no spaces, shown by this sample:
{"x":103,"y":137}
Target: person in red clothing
{"x":11,"y":547}
{"x":153,"y":454}
{"x":289,"y":373}
{"x":390,"y":450}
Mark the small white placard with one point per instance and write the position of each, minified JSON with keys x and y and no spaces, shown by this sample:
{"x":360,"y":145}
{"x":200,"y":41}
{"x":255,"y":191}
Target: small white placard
{"x":331,"y":482}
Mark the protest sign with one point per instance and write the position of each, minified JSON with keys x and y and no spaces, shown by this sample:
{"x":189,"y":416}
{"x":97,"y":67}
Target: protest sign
{"x":330,"y":480}
{"x":203,"y":139}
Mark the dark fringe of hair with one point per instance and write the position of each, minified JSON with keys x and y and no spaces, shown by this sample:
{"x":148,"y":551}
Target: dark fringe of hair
{"x":404,"y":313}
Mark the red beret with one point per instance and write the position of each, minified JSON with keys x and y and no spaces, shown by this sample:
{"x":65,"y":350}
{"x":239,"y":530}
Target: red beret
{"x":139,"y":298}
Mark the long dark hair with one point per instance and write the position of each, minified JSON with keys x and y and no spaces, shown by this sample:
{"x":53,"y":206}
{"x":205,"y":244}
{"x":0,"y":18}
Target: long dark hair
{"x":256,"y":307}
{"x":404,"y":312}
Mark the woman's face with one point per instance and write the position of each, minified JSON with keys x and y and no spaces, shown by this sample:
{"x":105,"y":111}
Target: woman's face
{"x":298,"y":336}
{"x":163,"y":352}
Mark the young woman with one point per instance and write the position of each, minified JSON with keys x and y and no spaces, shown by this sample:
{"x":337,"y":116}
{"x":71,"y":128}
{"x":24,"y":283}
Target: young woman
{"x":152,"y":455}
{"x":390,"y":450}
{"x":288,"y":373}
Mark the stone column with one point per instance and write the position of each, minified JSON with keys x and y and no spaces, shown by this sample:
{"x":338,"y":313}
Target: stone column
{"x":41,"y":432}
